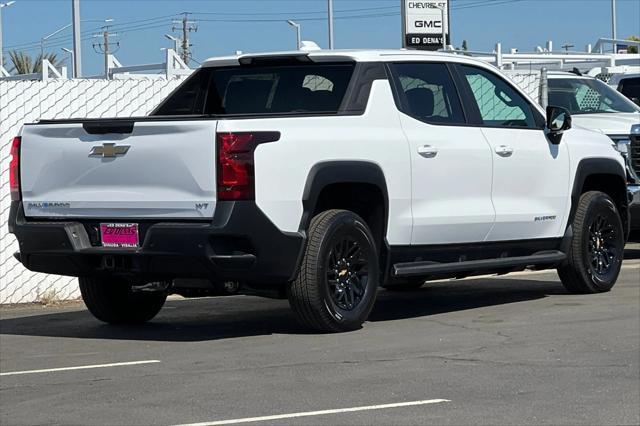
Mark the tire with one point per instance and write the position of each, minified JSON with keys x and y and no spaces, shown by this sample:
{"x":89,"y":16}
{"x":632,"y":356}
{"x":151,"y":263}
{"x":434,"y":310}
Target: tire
{"x":112,"y":301}
{"x":595,"y":255}
{"x":338,"y":279}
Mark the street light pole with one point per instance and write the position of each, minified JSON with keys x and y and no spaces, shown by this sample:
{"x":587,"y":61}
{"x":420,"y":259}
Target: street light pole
{"x":614,"y":30}
{"x":70,"y":52}
{"x":176,"y":42}
{"x":77,"y":42}
{"x":297,"y":27}
{"x":330,"y":18}
{"x":47,"y":37}
{"x":442,"y":25}
{"x":9,"y":3}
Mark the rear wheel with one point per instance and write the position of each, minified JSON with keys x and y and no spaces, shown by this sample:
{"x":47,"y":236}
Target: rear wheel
{"x":595,"y":257}
{"x":113,"y":301}
{"x":336,"y":286}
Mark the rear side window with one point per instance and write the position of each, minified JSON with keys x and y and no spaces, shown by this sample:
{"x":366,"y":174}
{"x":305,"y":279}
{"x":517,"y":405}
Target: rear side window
{"x":188,"y":98}
{"x":427,"y":93}
{"x":277,"y":89}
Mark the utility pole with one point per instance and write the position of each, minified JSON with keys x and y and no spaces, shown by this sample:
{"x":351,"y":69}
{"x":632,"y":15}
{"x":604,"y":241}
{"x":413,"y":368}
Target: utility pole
{"x":330,"y":18}
{"x":77,"y":43}
{"x":614,"y":29}
{"x":567,"y":46}
{"x":187,"y":26}
{"x":47,"y":37}
{"x":105,"y":47}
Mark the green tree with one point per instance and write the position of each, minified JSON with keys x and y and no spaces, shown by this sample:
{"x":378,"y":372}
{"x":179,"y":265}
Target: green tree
{"x":25,"y":64}
{"x":633,"y":49}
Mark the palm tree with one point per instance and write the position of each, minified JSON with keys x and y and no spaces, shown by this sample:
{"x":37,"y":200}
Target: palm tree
{"x":24,"y":64}
{"x":633,"y":49}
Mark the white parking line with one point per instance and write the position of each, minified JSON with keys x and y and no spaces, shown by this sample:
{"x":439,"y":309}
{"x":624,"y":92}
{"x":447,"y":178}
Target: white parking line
{"x":317,"y":413}
{"x":80,"y":367}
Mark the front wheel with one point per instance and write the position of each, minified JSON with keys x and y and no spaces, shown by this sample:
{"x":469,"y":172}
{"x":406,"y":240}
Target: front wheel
{"x":113,"y":301}
{"x":337,"y":283}
{"x":595,"y":257}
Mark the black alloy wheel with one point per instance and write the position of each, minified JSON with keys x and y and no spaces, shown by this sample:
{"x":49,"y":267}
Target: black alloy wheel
{"x":603,"y":249}
{"x":347,"y":273}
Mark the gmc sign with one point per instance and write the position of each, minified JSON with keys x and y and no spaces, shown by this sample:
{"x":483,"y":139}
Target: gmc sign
{"x":423,"y":23}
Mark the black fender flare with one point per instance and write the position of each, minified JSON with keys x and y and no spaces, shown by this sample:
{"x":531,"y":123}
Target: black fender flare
{"x":331,"y":172}
{"x":598,"y":166}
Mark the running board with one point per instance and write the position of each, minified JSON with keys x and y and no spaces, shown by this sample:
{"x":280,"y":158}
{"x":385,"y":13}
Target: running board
{"x":411,"y":269}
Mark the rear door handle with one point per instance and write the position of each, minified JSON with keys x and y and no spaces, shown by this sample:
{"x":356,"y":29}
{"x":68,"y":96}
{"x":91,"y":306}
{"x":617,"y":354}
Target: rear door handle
{"x":504,"y":151}
{"x":427,"y":151}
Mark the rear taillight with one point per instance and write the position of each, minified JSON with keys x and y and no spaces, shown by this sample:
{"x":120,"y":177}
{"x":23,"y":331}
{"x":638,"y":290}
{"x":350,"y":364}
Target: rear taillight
{"x":14,"y":169}
{"x":235,"y":163}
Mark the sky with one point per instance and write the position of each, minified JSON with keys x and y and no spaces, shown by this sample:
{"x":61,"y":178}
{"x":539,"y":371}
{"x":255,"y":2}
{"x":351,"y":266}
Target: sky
{"x":225,"y":26}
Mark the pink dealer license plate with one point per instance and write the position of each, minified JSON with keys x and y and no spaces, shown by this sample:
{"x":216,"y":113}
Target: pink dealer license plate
{"x":119,"y":234}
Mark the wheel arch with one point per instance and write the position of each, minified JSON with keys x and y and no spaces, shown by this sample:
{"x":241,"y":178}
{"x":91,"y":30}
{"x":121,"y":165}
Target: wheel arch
{"x":605,"y":175}
{"x":350,"y":185}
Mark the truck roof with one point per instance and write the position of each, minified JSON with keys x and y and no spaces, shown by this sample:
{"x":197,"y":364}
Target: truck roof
{"x":357,"y":55}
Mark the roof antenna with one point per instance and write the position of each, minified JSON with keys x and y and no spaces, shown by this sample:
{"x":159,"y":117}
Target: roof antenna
{"x":575,"y":71}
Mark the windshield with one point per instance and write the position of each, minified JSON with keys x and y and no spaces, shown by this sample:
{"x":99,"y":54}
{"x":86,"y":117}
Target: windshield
{"x":279,"y":89}
{"x":630,"y":87}
{"x":587,"y":96}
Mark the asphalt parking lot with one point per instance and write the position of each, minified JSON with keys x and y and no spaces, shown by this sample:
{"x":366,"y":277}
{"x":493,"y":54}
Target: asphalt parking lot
{"x":511,"y":350}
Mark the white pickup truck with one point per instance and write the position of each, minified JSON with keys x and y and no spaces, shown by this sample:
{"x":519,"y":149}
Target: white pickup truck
{"x":318,"y":176}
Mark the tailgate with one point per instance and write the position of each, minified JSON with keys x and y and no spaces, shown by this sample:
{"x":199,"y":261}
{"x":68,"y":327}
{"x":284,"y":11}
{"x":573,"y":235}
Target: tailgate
{"x":103,"y":169}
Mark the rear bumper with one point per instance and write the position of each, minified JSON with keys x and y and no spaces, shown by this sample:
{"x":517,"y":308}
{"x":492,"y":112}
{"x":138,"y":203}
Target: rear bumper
{"x":634,"y":206}
{"x":239,"y":244}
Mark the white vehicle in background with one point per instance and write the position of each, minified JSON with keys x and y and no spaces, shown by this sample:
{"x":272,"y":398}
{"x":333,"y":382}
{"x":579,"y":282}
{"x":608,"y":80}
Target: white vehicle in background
{"x":597,"y":106}
{"x":628,"y":84}
{"x":624,"y":78}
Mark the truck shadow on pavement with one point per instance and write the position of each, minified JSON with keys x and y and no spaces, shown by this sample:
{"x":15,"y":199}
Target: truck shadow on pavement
{"x":239,"y":316}
{"x":632,"y":253}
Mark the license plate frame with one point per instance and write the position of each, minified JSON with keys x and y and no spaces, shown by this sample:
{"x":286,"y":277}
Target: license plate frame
{"x":119,"y":235}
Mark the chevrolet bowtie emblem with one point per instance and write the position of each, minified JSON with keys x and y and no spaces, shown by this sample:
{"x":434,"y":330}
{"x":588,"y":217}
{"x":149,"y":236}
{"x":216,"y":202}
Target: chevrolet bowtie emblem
{"x":109,"y":150}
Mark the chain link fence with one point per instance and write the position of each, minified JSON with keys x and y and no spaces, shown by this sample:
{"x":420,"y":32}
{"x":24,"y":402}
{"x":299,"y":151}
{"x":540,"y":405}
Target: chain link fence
{"x":534,"y":83}
{"x":27,"y":101}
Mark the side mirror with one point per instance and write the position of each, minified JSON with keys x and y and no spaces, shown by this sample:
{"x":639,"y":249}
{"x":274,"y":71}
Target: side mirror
{"x":558,"y":120}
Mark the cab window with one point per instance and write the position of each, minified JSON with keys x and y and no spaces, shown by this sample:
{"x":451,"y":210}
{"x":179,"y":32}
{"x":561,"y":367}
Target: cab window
{"x":499,"y":104}
{"x":427,"y":93}
{"x":291,"y":89}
